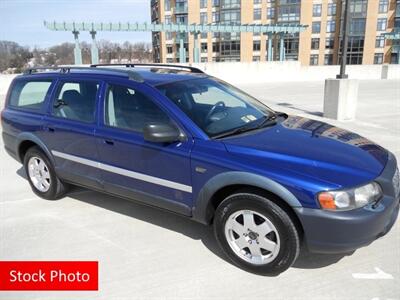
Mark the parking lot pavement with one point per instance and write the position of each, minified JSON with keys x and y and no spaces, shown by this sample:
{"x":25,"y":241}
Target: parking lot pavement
{"x":145,"y":253}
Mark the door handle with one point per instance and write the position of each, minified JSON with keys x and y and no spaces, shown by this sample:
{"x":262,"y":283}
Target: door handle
{"x":109,"y":142}
{"x":50,"y":129}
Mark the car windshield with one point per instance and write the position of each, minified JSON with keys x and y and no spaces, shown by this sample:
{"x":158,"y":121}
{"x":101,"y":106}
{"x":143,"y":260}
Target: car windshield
{"x":215,"y":106}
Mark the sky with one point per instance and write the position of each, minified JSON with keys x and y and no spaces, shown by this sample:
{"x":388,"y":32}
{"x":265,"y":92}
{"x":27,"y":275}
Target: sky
{"x":21,"y":21}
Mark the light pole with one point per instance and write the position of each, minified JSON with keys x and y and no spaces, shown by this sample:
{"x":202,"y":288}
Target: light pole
{"x":345,"y":40}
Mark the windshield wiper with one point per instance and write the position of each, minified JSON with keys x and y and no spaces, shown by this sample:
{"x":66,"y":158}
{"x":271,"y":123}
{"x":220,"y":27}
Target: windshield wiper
{"x":267,"y":121}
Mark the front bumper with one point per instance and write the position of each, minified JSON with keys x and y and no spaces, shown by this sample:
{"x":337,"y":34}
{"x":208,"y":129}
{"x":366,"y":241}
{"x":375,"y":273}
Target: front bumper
{"x":336,"y":232}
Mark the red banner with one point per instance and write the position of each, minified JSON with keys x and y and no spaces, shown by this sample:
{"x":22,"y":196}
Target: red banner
{"x":48,"y":275}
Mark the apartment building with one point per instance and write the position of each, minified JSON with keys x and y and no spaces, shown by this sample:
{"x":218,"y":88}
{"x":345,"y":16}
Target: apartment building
{"x":318,"y":45}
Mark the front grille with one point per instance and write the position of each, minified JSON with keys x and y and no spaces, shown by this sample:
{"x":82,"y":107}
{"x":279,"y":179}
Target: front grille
{"x":396,"y":182}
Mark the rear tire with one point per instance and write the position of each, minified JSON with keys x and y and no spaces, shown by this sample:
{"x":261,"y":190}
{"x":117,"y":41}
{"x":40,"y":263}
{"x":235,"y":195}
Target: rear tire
{"x":42,"y":176}
{"x":256,"y":234}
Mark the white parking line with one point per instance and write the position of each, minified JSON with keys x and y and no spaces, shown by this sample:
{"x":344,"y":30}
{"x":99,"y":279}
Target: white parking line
{"x":378,"y":275}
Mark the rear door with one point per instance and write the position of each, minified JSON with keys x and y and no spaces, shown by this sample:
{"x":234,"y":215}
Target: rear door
{"x":156,"y":173}
{"x":69,"y":128}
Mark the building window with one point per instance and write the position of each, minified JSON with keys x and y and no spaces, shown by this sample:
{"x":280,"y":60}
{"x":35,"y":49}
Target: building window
{"x":313,"y":59}
{"x":271,"y":13}
{"x":230,"y":48}
{"x":380,"y":42}
{"x":355,"y":49}
{"x":256,"y":45}
{"x":168,"y":35}
{"x":316,"y":27}
{"x":256,"y":58}
{"x":169,"y":50}
{"x":203,"y":3}
{"x":317,"y":9}
{"x":257,"y":14}
{"x":329,"y":43}
{"x":215,"y":17}
{"x":383,"y":6}
{"x":167,"y":5}
{"x":203,"y":18}
{"x":215,"y":3}
{"x":204,"y":59}
{"x":181,"y":19}
{"x":257,"y":1}
{"x":331,"y":26}
{"x":204,"y":47}
{"x":358,"y":7}
{"x":215,"y":47}
{"x":357,"y":26}
{"x":315,"y":43}
{"x":168,"y":20}
{"x":331,"y":9}
{"x":378,"y":58}
{"x":328,"y":59}
{"x":170,"y":60}
{"x":203,"y":35}
{"x":230,"y":16}
{"x":381,"y":24}
{"x":289,"y":11}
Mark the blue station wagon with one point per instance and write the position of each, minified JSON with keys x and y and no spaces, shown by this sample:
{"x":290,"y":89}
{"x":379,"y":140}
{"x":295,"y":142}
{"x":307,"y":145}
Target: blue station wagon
{"x":178,"y":139}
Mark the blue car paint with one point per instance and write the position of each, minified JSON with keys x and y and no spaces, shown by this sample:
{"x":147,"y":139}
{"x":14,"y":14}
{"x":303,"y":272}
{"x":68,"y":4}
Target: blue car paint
{"x":297,"y":157}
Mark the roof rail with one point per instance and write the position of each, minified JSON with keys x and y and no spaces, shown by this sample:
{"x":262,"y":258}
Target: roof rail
{"x":132,"y":75}
{"x":166,"y":66}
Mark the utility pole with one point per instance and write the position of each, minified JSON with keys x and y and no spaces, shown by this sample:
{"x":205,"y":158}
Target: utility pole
{"x":345,"y":40}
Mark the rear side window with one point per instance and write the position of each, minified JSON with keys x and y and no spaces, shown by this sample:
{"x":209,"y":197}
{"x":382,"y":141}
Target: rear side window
{"x":29,"y":94}
{"x":76,"y":101}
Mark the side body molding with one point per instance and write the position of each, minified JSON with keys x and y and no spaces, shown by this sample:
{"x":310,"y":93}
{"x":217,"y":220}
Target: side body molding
{"x":203,"y":210}
{"x":27,"y":136}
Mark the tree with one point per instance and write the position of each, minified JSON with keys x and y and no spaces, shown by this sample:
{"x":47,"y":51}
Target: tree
{"x":12,"y":55}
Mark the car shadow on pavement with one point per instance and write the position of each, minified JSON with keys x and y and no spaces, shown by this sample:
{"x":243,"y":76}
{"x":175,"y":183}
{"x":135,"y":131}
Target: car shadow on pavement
{"x":181,"y":224}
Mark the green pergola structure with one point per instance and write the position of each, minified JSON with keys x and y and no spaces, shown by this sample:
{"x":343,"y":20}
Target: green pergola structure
{"x":279,"y":30}
{"x":395,"y":37}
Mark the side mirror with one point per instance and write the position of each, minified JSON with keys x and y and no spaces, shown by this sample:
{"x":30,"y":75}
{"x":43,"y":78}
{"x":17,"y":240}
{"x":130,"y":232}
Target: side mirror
{"x":161,"y":133}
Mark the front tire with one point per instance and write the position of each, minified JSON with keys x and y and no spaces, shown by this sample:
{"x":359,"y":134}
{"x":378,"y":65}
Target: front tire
{"x":256,"y":234}
{"x":41,"y":175}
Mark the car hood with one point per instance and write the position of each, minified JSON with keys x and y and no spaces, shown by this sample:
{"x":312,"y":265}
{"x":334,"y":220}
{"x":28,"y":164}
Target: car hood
{"x":314,"y":149}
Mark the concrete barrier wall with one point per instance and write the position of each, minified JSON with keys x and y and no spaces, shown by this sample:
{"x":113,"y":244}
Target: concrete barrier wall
{"x":262,"y":72}
{"x":291,"y":71}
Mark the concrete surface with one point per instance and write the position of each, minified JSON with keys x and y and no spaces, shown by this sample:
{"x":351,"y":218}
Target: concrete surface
{"x":145,"y":253}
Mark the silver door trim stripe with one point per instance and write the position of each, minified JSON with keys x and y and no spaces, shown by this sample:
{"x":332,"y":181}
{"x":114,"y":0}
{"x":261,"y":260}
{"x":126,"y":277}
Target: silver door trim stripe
{"x":124,"y":172}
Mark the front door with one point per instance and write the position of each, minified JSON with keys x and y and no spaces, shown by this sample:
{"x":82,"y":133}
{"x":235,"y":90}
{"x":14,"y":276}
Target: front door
{"x":158,"y":174}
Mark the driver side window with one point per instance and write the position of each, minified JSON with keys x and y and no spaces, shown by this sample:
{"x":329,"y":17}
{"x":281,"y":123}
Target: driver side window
{"x":129,"y":109}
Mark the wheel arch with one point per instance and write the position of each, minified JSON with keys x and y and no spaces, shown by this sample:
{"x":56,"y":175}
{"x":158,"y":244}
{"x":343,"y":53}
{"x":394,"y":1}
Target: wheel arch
{"x":28,"y":140}
{"x":222,"y":185}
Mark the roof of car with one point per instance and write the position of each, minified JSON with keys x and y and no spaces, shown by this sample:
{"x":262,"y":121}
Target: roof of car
{"x":157,"y":76}
{"x":150,"y":74}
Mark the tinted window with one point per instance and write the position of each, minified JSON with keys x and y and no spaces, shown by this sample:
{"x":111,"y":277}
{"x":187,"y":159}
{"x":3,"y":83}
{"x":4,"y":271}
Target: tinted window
{"x":29,"y":94}
{"x":76,"y":101}
{"x":130,"y":109}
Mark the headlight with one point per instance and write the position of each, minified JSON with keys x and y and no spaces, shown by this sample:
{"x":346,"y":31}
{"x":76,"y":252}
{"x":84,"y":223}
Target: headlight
{"x":351,"y":198}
